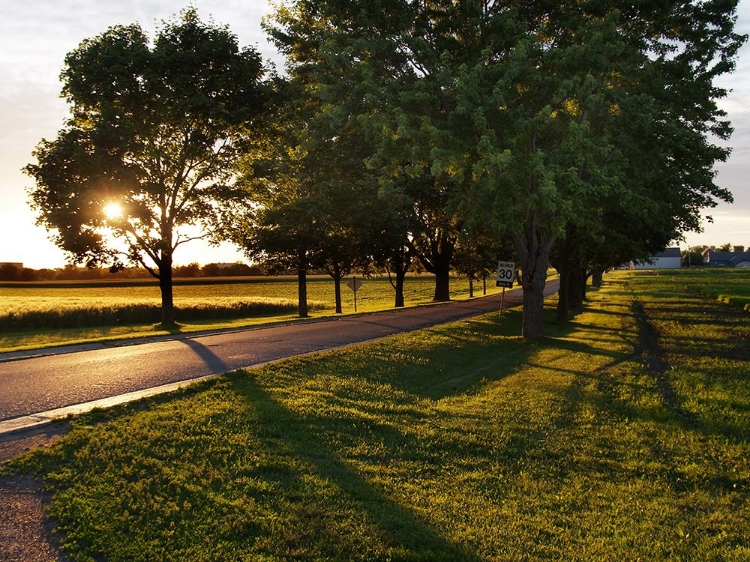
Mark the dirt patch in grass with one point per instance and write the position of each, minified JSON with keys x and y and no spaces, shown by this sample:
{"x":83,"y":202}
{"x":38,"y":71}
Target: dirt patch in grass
{"x":26,"y":535}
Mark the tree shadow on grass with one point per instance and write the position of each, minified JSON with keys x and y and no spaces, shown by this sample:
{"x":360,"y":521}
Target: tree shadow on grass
{"x":346,"y":517}
{"x":457,"y":358}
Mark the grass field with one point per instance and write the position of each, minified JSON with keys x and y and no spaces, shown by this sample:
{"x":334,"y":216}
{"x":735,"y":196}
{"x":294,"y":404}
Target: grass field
{"x":731,"y":286}
{"x":40,"y":315}
{"x":624,"y":435}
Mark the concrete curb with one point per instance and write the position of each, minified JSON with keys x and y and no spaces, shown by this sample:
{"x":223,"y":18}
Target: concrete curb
{"x":35,"y":420}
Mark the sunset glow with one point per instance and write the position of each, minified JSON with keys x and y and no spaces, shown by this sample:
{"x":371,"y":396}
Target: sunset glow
{"x":113,"y":210}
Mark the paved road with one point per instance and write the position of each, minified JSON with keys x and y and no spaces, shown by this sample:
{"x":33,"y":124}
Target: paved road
{"x":69,"y":376}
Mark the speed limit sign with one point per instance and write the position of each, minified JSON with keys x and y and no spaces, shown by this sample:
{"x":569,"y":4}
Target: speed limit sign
{"x":506,"y":270}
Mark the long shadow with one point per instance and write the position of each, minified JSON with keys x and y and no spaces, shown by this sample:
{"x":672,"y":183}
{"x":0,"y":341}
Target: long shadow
{"x":404,"y":532}
{"x":212,"y":361}
{"x":649,"y":353}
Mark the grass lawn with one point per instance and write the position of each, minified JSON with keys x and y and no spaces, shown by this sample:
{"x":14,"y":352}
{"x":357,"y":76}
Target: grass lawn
{"x":729,"y":285}
{"x":621,"y":436}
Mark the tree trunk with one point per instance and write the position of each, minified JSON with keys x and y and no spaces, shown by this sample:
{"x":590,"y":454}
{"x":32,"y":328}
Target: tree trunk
{"x":166,"y":288}
{"x":442,"y":284}
{"x":597,"y":277}
{"x":563,"y":300}
{"x":400,"y":278}
{"x":568,"y":262}
{"x":438,"y":262}
{"x":533,"y":304}
{"x":572,"y":291}
{"x":302,"y":284}
{"x":534,"y":258}
{"x":337,"y":288}
{"x":578,"y":288}
{"x":400,"y":263}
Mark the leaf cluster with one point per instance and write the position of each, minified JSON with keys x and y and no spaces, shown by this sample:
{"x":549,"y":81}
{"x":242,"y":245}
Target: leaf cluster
{"x":155,"y":127}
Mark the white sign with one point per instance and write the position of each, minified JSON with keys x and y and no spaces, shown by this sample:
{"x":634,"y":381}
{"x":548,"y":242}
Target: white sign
{"x":506,"y":271}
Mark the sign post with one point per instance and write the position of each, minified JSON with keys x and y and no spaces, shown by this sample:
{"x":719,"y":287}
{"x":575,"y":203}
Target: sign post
{"x":354,"y":284}
{"x":506,"y":270}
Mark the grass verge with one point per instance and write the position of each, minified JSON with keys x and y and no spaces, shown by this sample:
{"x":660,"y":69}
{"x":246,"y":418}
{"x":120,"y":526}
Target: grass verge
{"x":621,"y":436}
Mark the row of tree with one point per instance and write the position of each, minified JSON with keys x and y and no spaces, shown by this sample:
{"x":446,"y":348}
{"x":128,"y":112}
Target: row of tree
{"x":12,"y":272}
{"x":448,"y":133}
{"x":728,"y":247}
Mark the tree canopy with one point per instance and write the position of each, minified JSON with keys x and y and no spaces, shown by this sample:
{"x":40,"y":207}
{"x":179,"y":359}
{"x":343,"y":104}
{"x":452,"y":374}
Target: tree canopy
{"x":154,"y":133}
{"x":538,"y":118}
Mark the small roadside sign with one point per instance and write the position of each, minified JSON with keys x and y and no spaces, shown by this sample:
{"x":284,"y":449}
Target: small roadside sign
{"x":506,"y":270}
{"x":354,"y":284}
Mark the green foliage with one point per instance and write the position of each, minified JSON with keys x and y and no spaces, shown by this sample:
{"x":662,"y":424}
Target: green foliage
{"x":155,"y":129}
{"x":691,"y":258}
{"x":608,"y":440}
{"x":529,"y":118}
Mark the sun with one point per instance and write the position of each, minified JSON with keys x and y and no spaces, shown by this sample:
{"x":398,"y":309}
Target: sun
{"x":113,"y":210}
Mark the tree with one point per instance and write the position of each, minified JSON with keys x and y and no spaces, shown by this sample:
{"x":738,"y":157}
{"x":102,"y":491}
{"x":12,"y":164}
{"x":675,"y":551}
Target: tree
{"x":150,"y":147}
{"x":692,"y":258}
{"x":277,"y":223}
{"x":530,"y":114}
{"x":606,"y":104}
{"x":478,"y":253}
{"x":345,"y":54}
{"x":390,"y":248}
{"x":345,"y":195}
{"x":435,"y":229}
{"x":10,"y":272}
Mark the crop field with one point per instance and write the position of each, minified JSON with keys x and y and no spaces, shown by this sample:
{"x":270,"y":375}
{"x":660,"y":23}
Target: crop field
{"x":622,"y":435}
{"x":37,"y":315}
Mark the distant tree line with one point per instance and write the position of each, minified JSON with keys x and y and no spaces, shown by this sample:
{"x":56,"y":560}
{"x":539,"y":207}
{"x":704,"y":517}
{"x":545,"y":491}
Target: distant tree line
{"x":439,"y":135}
{"x":10,"y":272}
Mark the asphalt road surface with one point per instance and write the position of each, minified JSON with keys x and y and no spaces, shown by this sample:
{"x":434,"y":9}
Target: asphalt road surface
{"x":69,"y":376}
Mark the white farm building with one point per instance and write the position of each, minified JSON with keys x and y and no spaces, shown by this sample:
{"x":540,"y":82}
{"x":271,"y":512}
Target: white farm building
{"x":668,"y":259}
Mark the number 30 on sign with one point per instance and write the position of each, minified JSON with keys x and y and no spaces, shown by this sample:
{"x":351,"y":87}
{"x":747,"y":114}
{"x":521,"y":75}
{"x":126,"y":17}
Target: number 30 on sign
{"x":505,"y":273}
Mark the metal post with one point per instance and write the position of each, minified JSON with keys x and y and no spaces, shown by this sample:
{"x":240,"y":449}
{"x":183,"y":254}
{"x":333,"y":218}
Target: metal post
{"x":502,"y":303}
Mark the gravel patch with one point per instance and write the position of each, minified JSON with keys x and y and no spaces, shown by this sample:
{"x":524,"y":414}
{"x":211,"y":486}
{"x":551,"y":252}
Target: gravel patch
{"x":26,"y":535}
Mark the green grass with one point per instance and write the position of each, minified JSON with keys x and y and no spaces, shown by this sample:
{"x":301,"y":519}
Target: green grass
{"x":461,"y":442}
{"x":730,"y":285}
{"x":41,"y":315}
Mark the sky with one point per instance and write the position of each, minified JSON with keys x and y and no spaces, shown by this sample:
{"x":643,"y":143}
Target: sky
{"x":35,"y":36}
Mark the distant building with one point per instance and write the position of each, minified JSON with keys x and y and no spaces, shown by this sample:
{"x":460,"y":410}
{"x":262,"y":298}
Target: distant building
{"x":671,"y":258}
{"x":726,"y":259}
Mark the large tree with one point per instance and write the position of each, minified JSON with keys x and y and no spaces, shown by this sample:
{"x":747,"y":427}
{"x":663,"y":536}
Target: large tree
{"x":528,"y":114}
{"x":154,"y":132}
{"x":662,"y":122}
